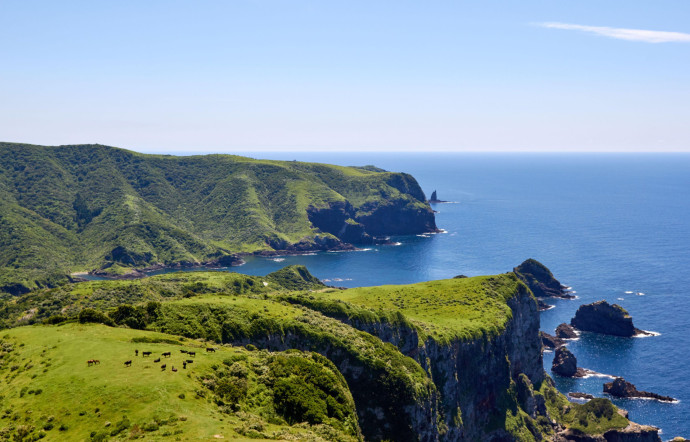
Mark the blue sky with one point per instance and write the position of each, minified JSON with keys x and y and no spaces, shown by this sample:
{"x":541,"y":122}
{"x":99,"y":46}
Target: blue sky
{"x":247,"y":75}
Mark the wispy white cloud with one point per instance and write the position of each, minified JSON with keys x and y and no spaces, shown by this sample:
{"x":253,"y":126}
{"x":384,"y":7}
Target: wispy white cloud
{"x":624,"y":34}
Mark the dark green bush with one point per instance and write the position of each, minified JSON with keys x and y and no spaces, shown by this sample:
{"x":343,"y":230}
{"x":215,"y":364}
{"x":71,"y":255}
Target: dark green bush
{"x":91,"y":315}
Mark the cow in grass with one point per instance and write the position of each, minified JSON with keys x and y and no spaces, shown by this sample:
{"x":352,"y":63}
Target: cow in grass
{"x":210,"y":350}
{"x":166,"y":354}
{"x":128,"y":363}
{"x":145,"y":353}
{"x":91,"y":362}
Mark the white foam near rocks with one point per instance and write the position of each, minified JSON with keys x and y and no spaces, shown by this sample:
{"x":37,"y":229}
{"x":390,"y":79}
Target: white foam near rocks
{"x":594,"y":374}
{"x":647,"y":334}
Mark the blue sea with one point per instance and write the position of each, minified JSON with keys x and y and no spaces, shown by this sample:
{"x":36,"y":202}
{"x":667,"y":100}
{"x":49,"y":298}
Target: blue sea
{"x":608,"y":225}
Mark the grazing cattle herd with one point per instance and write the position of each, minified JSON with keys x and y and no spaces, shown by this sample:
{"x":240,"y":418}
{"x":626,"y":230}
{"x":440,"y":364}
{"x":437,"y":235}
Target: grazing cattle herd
{"x":166,"y":354}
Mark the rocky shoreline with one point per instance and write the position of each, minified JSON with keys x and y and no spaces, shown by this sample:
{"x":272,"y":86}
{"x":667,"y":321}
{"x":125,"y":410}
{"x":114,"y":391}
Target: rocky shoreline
{"x":236,"y":260}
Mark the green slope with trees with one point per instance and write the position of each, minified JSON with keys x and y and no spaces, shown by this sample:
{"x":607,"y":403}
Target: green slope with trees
{"x":79,"y":208}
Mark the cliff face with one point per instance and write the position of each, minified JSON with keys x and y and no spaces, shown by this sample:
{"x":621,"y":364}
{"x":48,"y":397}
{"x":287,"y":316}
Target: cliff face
{"x":358,"y":225}
{"x":473,"y":377}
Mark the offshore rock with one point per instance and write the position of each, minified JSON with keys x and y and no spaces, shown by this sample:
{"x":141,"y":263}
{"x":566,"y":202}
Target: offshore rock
{"x":622,"y":388}
{"x":434,"y":198}
{"x":551,"y":342}
{"x":540,"y":280}
{"x":605,"y":318}
{"x":565,"y":364}
{"x":565,"y":331}
{"x":578,"y":395}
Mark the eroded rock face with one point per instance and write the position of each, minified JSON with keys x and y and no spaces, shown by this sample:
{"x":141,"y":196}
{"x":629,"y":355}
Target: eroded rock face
{"x":359,"y":225}
{"x":622,"y":388}
{"x":564,"y":362}
{"x":565,"y":331}
{"x":605,"y":318}
{"x":551,"y":342}
{"x":540,"y":280}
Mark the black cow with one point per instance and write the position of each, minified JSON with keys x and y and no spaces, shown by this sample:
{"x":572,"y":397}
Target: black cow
{"x":128,"y":363}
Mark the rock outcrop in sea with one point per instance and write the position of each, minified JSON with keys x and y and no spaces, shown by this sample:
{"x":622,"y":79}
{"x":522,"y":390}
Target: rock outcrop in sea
{"x":605,"y":318}
{"x":565,"y":364}
{"x":622,"y":388}
{"x":540,"y":280}
{"x":565,"y":331}
{"x":434,"y":198}
{"x":550,"y":341}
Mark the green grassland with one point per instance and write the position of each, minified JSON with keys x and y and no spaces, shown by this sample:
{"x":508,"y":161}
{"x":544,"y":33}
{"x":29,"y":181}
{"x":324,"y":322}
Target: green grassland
{"x":465,"y":308}
{"x":285,"y":310}
{"x":90,"y":207}
{"x":48,"y":390}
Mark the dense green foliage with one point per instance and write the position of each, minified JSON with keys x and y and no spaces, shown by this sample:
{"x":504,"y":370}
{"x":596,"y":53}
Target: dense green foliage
{"x":67,"y":300}
{"x":80,"y":208}
{"x":594,"y":417}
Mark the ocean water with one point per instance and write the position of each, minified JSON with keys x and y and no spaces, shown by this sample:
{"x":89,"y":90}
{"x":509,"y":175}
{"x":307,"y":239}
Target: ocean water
{"x":604,"y":224}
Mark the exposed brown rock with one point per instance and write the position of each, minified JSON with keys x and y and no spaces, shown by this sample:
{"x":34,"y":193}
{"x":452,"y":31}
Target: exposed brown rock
{"x":549,"y":341}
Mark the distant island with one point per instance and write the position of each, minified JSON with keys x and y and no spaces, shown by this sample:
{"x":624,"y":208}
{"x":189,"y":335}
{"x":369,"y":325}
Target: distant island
{"x":114,"y":212}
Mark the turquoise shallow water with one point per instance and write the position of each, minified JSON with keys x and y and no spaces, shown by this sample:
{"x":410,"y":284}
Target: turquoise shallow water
{"x":604,"y":224}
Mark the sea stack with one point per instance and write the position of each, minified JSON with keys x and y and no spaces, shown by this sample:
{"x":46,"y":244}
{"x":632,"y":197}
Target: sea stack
{"x":540,"y":280}
{"x":565,"y":364}
{"x":605,"y":318}
{"x":434,"y":198}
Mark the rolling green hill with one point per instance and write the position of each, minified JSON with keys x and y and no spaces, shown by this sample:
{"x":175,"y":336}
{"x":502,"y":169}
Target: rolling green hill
{"x":78,"y":208}
{"x":456,"y":359}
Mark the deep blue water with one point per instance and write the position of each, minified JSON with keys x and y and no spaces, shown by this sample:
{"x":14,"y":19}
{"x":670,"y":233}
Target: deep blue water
{"x":604,"y":224}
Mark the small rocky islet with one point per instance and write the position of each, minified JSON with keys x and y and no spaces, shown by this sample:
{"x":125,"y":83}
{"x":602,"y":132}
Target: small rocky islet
{"x":609,"y":319}
{"x":619,"y":387}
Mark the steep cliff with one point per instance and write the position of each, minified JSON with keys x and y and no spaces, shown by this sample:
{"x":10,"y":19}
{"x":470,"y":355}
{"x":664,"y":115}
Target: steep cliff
{"x":475,"y":365}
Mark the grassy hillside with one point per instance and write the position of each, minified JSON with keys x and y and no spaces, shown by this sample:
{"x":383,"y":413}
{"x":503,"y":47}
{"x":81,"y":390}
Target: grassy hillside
{"x":448,"y":309}
{"x":90,"y":207}
{"x":49,"y":390}
{"x":280,"y":312}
